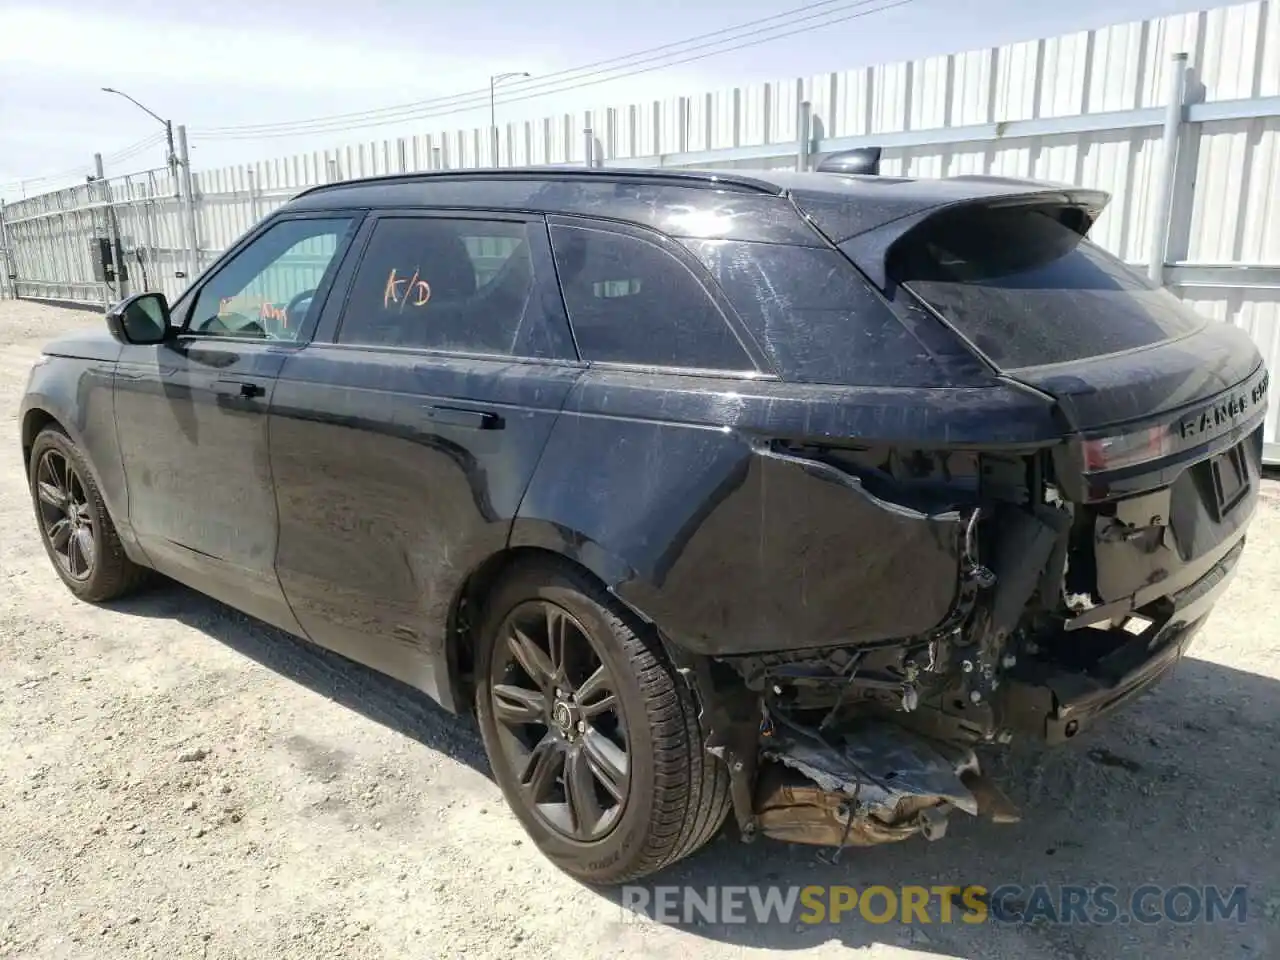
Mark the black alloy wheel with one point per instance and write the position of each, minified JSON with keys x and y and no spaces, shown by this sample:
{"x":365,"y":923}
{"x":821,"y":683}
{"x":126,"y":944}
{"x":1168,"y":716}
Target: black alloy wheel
{"x":75,"y":525}
{"x":65,"y":518}
{"x":561,"y":726}
{"x":591,"y":731}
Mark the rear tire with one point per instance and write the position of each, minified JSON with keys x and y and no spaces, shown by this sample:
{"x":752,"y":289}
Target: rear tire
{"x":75,"y":527}
{"x":675,"y":796}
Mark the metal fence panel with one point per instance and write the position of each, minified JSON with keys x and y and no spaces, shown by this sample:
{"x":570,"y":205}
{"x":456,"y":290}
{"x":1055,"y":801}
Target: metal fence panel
{"x":1236,"y":211}
{"x":1088,"y":107}
{"x":1257,"y":311}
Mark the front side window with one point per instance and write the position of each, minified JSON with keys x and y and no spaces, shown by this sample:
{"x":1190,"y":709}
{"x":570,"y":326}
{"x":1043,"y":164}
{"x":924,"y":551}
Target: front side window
{"x":266,"y":290}
{"x":464,"y":286}
{"x":630,"y":301}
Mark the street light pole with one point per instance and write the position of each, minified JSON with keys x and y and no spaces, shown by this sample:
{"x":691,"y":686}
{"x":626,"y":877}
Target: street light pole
{"x":493,"y":112}
{"x":168,"y":125}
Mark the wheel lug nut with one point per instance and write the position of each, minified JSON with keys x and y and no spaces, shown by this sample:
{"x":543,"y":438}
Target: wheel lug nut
{"x":582,"y":726}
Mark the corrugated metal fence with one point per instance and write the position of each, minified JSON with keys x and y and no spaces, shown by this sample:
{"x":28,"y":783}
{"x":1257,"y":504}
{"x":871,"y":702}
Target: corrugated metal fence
{"x":1188,"y":147}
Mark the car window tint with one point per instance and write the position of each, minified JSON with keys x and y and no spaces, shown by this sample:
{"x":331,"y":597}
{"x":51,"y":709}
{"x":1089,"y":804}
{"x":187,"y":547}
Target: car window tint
{"x":630,"y":301}
{"x":814,"y":315}
{"x":1028,"y":290}
{"x":265,"y":291}
{"x":458,"y":285}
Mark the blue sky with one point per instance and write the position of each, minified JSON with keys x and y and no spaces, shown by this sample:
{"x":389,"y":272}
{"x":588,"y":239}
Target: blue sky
{"x":264,"y":61}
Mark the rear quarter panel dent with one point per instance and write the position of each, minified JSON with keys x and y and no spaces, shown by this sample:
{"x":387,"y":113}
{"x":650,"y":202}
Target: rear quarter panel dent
{"x":730,"y":548}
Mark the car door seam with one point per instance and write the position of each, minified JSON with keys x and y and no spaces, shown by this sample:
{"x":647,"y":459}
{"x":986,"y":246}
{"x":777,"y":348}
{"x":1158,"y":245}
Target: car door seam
{"x":511,"y":525}
{"x":275,"y":498}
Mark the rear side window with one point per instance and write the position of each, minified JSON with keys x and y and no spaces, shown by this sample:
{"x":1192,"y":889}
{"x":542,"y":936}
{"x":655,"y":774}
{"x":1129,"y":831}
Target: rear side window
{"x":1028,"y":290}
{"x":816,"y":317}
{"x":460,"y":285}
{"x":630,"y":301}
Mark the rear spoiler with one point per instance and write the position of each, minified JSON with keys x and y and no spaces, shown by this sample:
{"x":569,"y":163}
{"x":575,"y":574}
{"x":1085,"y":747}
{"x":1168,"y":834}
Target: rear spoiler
{"x":870,"y":244}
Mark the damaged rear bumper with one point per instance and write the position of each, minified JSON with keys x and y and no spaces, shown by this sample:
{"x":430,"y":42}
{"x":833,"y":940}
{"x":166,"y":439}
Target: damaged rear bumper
{"x":1057,"y":705}
{"x":878,"y":781}
{"x":1059,"y":708}
{"x":1076,"y":714}
{"x":871,"y":740}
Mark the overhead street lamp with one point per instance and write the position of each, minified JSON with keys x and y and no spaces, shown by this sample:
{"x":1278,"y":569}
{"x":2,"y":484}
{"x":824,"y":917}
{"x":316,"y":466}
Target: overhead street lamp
{"x":168,"y":126}
{"x":493,"y":119}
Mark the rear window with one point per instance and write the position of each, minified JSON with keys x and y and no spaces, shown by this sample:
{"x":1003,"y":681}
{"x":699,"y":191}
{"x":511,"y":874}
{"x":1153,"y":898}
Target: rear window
{"x":630,"y":301}
{"x":1027,"y":290}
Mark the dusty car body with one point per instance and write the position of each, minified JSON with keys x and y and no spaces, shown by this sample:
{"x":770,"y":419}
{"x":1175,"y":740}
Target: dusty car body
{"x":923,"y":470}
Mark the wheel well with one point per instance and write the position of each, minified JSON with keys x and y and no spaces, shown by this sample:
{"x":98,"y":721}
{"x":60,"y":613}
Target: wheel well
{"x":470,"y":601}
{"x":35,"y":421}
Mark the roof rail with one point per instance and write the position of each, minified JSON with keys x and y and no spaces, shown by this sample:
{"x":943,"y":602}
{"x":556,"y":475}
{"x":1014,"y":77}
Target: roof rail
{"x":672,"y":177}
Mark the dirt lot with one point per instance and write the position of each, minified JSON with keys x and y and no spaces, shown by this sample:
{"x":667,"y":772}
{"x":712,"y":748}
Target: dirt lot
{"x":333,"y":813}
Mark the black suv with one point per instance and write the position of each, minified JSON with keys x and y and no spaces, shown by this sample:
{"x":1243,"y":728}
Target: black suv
{"x":711,"y":493}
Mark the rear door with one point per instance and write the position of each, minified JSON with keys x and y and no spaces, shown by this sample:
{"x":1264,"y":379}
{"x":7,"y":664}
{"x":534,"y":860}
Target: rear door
{"x":403,"y":438}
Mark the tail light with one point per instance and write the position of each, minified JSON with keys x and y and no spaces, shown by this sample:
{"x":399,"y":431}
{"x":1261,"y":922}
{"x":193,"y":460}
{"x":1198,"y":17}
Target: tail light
{"x":1127,"y":449}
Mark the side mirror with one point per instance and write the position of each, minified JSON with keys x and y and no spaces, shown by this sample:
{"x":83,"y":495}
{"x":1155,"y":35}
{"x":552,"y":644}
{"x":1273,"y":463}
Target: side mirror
{"x":141,"y":319}
{"x":863,"y":160}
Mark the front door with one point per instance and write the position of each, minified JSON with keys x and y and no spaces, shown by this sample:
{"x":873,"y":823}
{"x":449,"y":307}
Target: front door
{"x":191,"y":414}
{"x":401,"y":448}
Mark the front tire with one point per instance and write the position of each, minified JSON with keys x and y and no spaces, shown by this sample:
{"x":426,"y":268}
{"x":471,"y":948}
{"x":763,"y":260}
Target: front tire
{"x":75,"y":527}
{"x":592,"y":735}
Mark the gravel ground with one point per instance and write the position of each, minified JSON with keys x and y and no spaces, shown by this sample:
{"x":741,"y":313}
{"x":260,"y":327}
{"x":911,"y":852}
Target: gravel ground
{"x":179,"y":780}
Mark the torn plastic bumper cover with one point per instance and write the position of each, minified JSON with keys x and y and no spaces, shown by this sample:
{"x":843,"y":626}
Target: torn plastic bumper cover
{"x":876,"y":783}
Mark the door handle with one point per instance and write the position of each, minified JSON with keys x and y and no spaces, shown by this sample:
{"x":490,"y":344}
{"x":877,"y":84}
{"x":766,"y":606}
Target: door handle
{"x":464,"y":417}
{"x":240,"y":389}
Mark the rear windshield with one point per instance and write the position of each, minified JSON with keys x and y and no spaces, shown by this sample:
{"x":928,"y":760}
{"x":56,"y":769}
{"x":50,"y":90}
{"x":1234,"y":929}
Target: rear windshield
{"x":1026,"y":289}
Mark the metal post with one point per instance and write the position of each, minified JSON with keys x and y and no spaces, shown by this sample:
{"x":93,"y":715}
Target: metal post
{"x":149,"y":231}
{"x":494,"y":80}
{"x":189,"y":204}
{"x":8,"y":288}
{"x":588,"y":146}
{"x":117,"y":254}
{"x":251,"y":176}
{"x":172,"y":158}
{"x":59,"y":241}
{"x":1173,"y":116}
{"x":493,"y":118}
{"x":804,"y":134}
